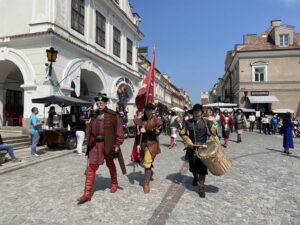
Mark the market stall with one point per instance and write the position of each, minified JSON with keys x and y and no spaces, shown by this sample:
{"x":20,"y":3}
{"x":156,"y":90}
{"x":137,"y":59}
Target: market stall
{"x":62,"y":133}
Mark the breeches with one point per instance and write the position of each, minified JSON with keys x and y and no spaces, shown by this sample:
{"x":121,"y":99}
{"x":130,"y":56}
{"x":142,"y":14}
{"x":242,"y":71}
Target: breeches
{"x":109,"y":163}
{"x":146,"y":158}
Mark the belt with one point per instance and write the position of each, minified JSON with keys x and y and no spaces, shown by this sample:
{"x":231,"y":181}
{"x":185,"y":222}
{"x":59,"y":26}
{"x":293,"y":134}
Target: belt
{"x":99,"y":138}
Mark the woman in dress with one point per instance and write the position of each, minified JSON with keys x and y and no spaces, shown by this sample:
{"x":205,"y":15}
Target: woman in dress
{"x":287,"y":133}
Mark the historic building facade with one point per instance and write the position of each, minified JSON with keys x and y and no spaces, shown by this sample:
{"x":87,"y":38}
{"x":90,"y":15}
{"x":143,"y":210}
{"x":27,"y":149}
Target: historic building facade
{"x":263,"y":73}
{"x":96,"y":41}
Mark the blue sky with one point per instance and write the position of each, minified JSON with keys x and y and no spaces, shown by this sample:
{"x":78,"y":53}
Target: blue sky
{"x":193,"y":36}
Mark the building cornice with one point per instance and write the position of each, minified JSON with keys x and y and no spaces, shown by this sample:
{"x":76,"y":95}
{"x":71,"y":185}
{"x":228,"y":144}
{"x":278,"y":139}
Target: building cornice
{"x":50,"y":32}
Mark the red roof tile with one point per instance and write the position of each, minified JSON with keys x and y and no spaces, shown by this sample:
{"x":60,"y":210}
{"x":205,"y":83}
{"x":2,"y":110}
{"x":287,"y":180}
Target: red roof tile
{"x":264,"y":42}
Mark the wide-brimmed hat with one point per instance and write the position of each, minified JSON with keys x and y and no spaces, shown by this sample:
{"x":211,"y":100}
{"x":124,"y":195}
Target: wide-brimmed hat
{"x":197,"y":107}
{"x":101,"y":97}
{"x":239,"y":110}
{"x":150,"y":106}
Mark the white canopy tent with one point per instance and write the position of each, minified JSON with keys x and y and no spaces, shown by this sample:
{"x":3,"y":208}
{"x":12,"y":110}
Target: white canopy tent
{"x":221,"y":105}
{"x":177,"y":109}
{"x":283,"y":111}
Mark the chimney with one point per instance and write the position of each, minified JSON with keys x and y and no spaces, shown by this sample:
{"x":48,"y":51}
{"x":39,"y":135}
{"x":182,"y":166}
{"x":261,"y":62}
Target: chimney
{"x":249,"y":38}
{"x":275,"y":23}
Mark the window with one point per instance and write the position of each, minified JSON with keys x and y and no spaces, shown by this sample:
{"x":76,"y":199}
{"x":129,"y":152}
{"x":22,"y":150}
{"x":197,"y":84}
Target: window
{"x":100,"y":29}
{"x":129,"y":51}
{"x":259,"y":74}
{"x":77,"y":15}
{"x":117,"y":42}
{"x":284,"y":39}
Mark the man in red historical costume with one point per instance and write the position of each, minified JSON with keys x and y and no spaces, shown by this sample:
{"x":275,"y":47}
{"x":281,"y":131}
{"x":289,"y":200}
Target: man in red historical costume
{"x":105,"y":136}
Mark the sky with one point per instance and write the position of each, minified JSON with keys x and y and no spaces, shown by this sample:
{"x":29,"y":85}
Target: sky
{"x":192,"y":37}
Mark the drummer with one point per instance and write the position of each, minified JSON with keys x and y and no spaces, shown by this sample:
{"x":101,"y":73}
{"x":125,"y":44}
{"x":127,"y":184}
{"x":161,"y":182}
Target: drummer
{"x":193,"y":133}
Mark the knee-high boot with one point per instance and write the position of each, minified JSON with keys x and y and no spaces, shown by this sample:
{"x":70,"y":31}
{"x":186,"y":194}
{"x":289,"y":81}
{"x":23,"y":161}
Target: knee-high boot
{"x":147,"y":180}
{"x":201,"y":186}
{"x":195,"y":181}
{"x":113,"y":175}
{"x":89,"y":183}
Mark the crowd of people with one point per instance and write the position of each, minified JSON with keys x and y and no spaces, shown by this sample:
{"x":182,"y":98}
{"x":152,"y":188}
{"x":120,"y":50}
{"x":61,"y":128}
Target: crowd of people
{"x":105,"y":135}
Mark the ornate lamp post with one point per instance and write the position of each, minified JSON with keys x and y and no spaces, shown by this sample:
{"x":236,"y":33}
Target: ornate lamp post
{"x":51,"y":55}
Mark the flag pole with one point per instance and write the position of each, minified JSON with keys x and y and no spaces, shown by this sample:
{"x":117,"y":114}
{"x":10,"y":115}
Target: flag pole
{"x":147,"y":93}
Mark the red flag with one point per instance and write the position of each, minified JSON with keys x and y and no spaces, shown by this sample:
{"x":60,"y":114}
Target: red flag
{"x":146,"y":92}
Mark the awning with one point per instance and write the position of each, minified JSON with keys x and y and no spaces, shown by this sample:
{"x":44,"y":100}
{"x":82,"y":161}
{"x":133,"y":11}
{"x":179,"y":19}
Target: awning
{"x":246,"y":109}
{"x":61,"y":100}
{"x":283,"y":111}
{"x":263,"y":99}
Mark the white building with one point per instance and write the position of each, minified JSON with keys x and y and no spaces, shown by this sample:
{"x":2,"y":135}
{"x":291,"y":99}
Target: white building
{"x":98,"y":38}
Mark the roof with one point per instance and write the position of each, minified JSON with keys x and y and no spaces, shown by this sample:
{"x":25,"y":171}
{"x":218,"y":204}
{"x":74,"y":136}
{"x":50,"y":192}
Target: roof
{"x":265,"y":42}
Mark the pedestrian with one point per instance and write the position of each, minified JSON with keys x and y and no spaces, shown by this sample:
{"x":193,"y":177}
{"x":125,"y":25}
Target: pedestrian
{"x":80,"y":130}
{"x":287,"y":133}
{"x":252,"y":121}
{"x":194,"y":132}
{"x":274,"y":124}
{"x":226,"y":123}
{"x":240,"y":124}
{"x":150,"y":130}
{"x":9,"y":149}
{"x":216,"y":121}
{"x":174,"y":124}
{"x":34,"y":126}
{"x":266,"y":124}
{"x":104,"y":139}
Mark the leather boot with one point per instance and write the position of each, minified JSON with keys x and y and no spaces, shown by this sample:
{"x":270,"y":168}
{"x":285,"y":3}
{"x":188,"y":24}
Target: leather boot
{"x":113,"y":176}
{"x":195,"y":181}
{"x":89,"y":183}
{"x":147,"y":181}
{"x":201,"y":186}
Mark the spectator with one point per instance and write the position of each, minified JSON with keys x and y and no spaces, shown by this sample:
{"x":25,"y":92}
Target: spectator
{"x":9,"y":149}
{"x":287,"y":133}
{"x":34,"y":125}
{"x":266,"y":124}
{"x":80,"y":130}
{"x":252,"y":121}
{"x":274,"y":124}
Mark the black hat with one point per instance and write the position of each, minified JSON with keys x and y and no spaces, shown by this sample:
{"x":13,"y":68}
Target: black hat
{"x":197,"y":107}
{"x":150,"y":106}
{"x":101,"y":97}
{"x":239,"y":110}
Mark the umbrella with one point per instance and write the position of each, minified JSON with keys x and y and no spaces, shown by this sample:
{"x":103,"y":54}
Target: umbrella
{"x":61,"y":101}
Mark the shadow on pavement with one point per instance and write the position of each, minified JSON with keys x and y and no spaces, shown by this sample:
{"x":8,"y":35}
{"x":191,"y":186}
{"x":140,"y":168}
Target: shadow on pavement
{"x":282,"y":153}
{"x":101,"y":183}
{"x":252,"y":154}
{"x":136,"y":176}
{"x":187,"y":181}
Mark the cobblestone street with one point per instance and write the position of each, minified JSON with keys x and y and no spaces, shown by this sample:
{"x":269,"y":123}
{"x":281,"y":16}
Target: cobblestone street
{"x":261,"y":188}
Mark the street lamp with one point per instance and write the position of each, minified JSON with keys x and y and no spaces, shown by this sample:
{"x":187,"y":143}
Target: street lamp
{"x":51,"y":55}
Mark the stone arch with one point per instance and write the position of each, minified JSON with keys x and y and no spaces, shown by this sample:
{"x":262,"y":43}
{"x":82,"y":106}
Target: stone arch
{"x":119,"y":82}
{"x":85,"y":64}
{"x":24,"y":76}
{"x":21,"y":61}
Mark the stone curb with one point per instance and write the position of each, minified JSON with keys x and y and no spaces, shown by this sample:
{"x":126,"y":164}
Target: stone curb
{"x":34,"y":162}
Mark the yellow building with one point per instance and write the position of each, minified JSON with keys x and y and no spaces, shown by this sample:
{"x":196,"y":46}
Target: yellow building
{"x":263,"y":73}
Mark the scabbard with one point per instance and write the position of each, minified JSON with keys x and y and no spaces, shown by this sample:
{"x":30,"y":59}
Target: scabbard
{"x":121,"y":162}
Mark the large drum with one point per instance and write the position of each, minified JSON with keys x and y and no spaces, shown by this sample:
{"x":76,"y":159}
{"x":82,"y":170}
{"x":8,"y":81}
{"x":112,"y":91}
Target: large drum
{"x":213,"y":157}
